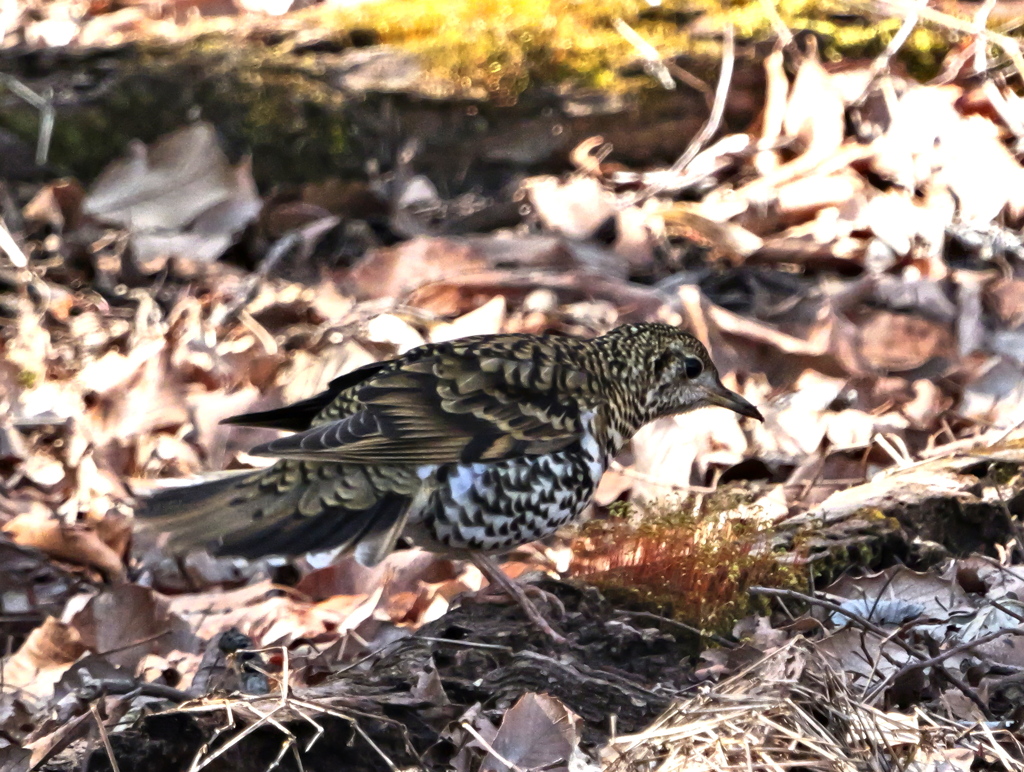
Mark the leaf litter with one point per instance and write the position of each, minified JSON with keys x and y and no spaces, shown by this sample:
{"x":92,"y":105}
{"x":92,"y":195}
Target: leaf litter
{"x":854,"y":263}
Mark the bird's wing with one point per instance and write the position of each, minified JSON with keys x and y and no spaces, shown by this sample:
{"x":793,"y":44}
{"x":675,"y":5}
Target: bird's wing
{"x":299,"y":416}
{"x":451,"y":403}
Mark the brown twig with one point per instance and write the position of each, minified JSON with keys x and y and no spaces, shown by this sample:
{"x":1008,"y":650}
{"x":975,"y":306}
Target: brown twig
{"x":869,"y":626}
{"x":1009,"y":612}
{"x":881,"y":63}
{"x":909,"y":668}
{"x":649,"y":617}
{"x":133,"y":644}
{"x":104,"y":737}
{"x":1010,"y":46}
{"x":717,"y":109}
{"x":710,"y":126}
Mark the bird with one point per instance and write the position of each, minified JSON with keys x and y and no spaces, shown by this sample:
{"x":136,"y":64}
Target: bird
{"x":467,"y":448}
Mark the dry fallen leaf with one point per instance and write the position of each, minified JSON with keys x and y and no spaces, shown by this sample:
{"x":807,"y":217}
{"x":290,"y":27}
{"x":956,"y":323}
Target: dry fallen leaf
{"x":538,"y":732}
{"x":900,"y":342}
{"x":576,"y":208}
{"x":393,"y":330}
{"x":78,"y":543}
{"x":41,"y":660}
{"x":126,"y":622}
{"x":181,"y":196}
{"x":165,"y":187}
{"x":488,"y":319}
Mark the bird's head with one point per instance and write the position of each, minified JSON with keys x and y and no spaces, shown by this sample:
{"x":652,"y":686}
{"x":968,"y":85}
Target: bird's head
{"x":679,"y":373}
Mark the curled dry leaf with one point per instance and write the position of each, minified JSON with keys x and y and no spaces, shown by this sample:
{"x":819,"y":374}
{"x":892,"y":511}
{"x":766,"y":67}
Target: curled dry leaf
{"x":936,"y":596}
{"x":395,"y":331}
{"x":488,"y":319}
{"x":676,"y":452}
{"x":58,"y":205}
{"x":395,"y":271}
{"x":79,"y":543}
{"x":733,"y":240}
{"x":41,"y":660}
{"x":576,"y":208}
{"x":165,"y":187}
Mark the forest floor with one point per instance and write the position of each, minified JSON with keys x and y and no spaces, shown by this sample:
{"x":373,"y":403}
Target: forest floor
{"x":839,"y":587}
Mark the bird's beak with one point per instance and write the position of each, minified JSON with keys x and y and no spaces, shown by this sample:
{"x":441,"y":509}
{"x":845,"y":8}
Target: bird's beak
{"x":722,"y":397}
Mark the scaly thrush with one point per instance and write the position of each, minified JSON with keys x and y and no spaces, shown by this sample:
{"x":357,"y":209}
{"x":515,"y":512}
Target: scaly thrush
{"x":467,"y":448}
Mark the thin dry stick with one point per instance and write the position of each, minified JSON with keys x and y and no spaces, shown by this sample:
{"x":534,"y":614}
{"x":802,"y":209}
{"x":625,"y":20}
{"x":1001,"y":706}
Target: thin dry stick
{"x":901,"y":456}
{"x":372,"y":744}
{"x":488,"y":747}
{"x":285,"y":676}
{"x":290,"y":741}
{"x":663,"y":69}
{"x":238,"y":738}
{"x":1007,"y":611}
{"x":11,"y":248}
{"x":47,"y":113}
{"x":881,"y":63}
{"x":649,"y":617}
{"x":710,"y":126}
{"x":814,"y":746}
{"x":313,"y":706}
{"x":864,"y":624}
{"x":217,"y":732}
{"x":980,"y":22}
{"x":317,"y":728}
{"x":1010,"y":46}
{"x":652,"y":59}
{"x":277,"y":252}
{"x":467,"y":644}
{"x":912,"y":666}
{"x":103,"y":736}
{"x":133,"y":644}
{"x":997,"y":749}
{"x":778,"y":25}
{"x":717,"y":110}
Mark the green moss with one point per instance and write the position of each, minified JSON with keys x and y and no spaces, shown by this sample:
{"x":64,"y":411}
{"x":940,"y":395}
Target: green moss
{"x":1003,"y":473}
{"x":500,"y":49}
{"x":862,"y":539}
{"x":264,"y":101}
{"x":695,"y":566}
{"x":271,"y":99}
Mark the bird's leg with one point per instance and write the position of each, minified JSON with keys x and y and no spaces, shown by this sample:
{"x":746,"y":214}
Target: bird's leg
{"x":489,"y":568}
{"x":532,"y":591}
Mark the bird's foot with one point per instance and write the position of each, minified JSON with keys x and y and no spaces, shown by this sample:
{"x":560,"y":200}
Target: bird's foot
{"x":496,"y":593}
{"x":500,"y":584}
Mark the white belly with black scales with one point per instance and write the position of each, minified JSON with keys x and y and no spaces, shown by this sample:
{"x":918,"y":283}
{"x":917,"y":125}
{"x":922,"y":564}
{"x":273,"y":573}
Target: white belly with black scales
{"x":495,"y":507}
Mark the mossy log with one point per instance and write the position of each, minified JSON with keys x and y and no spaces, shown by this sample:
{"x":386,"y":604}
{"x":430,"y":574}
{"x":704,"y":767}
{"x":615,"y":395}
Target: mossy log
{"x":919,"y":515}
{"x":327,"y":108}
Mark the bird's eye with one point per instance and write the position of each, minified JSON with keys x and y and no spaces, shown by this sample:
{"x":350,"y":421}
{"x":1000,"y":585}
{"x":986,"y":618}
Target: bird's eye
{"x":692,"y":367}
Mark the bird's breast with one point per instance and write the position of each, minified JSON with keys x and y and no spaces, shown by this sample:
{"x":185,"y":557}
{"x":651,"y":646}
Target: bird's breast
{"x":497,"y":506}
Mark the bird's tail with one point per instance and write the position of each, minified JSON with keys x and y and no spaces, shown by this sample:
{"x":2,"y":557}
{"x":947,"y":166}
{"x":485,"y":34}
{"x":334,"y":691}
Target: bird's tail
{"x":289,"y":508}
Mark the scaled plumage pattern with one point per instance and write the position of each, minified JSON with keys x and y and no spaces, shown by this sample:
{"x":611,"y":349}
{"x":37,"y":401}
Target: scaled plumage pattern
{"x":477,"y":445}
